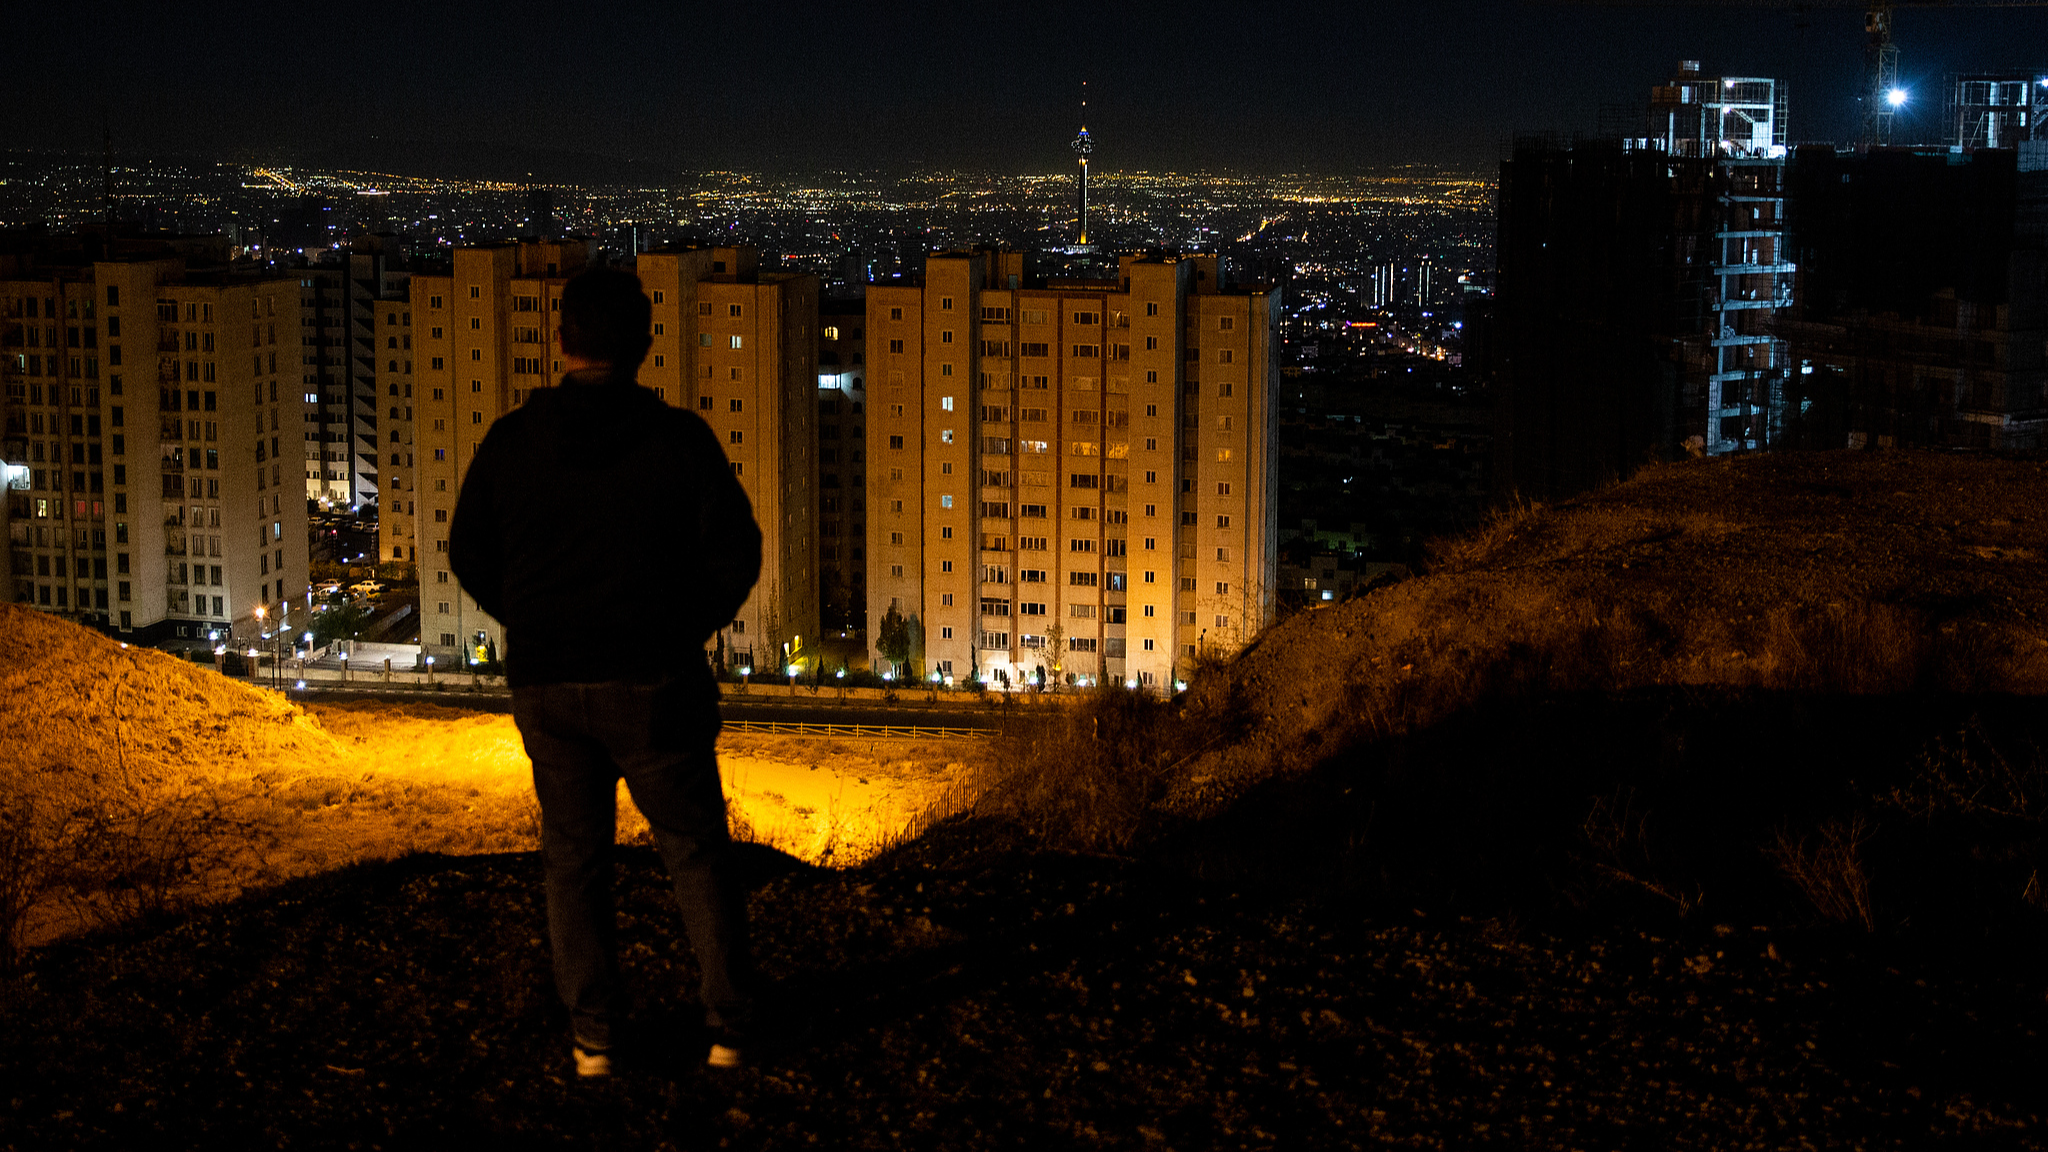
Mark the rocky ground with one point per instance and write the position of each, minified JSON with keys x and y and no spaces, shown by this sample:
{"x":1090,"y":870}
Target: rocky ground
{"x":971,"y":993}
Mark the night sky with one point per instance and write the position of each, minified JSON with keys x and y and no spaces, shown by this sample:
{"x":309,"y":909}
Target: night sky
{"x":1262,"y":87}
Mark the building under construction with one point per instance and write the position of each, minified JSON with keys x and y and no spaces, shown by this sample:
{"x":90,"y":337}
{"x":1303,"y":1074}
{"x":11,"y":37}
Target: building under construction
{"x":1703,"y":289}
{"x":1923,"y":297}
{"x":1641,"y":279}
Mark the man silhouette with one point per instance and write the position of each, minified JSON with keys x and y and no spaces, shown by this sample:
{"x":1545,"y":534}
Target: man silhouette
{"x":605,"y":530}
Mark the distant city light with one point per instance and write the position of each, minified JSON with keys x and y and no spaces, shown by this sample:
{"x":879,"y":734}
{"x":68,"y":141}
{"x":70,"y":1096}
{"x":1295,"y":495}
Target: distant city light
{"x":1895,"y":97}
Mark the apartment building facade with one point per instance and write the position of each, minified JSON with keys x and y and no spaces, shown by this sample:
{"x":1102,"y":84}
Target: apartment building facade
{"x":739,"y":346}
{"x":147,"y":400}
{"x":842,"y":464}
{"x":734,"y":344}
{"x":345,"y":354}
{"x":1070,"y":480}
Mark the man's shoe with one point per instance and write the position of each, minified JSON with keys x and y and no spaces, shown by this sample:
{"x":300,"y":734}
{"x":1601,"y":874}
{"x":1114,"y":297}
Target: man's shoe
{"x":591,"y":1062}
{"x":726,"y":1050}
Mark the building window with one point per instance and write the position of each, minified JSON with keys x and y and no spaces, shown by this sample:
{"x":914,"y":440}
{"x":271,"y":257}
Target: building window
{"x":732,"y":310}
{"x":737,"y":341}
{"x":734,"y":437}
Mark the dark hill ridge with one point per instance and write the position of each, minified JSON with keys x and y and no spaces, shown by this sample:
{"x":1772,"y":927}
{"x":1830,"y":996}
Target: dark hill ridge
{"x":1682,"y":815}
{"x":1828,"y":572}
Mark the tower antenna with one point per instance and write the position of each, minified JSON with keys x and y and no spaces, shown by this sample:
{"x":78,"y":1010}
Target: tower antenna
{"x":1083,"y":146}
{"x":107,"y":164}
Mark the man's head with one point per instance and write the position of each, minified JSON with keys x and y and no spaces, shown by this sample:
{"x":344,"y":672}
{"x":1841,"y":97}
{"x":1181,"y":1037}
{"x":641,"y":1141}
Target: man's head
{"x":606,"y":318}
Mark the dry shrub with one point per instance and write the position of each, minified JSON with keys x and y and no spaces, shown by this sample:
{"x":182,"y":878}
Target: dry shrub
{"x":1854,"y":646}
{"x":1458,"y":553}
{"x":1087,"y":777}
{"x":1971,"y":774}
{"x":1830,"y":872}
{"x":35,"y":838}
{"x":126,"y":853}
{"x":1617,"y":831}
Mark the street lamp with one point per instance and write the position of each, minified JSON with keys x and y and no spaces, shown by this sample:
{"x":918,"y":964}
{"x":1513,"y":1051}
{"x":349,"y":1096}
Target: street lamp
{"x":344,"y":666}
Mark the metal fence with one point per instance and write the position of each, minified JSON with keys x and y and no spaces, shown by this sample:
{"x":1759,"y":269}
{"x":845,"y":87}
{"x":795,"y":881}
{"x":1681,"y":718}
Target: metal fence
{"x":784,"y":728}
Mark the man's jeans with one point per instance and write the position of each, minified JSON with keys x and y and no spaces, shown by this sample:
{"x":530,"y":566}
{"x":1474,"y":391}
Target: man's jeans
{"x":582,"y":739}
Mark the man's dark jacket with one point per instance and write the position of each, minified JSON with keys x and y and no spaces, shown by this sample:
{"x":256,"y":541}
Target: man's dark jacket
{"x":605,"y":530}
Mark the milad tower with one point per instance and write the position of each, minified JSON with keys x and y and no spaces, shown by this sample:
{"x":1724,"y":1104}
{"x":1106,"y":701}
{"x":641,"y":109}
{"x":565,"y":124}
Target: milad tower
{"x":1083,"y":146}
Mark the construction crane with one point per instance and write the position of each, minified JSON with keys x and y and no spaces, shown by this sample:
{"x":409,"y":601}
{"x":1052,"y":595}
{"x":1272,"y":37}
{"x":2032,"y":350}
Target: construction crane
{"x":1882,"y":95}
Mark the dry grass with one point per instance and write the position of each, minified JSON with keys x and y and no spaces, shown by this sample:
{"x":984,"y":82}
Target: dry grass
{"x":1828,"y":869}
{"x":1087,"y":778}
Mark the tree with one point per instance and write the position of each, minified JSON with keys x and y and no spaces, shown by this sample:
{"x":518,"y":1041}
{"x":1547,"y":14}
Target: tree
{"x":1055,"y":638}
{"x":338,"y":623}
{"x":892,"y":639}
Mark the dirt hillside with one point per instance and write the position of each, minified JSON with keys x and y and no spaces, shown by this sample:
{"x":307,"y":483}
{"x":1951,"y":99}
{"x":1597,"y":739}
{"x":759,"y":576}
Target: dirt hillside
{"x":83,"y":714}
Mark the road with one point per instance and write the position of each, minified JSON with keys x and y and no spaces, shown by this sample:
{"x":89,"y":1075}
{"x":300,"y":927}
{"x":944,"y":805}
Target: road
{"x":908,"y":714}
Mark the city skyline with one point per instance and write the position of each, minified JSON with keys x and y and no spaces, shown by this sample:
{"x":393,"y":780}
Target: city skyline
{"x":1307,"y":87}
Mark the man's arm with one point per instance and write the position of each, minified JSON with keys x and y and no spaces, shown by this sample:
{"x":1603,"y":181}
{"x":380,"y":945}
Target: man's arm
{"x":476,"y":546}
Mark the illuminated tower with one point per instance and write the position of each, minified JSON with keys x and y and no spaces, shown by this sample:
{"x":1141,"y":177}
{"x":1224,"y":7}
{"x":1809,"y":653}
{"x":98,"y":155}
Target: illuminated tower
{"x":1083,"y":146}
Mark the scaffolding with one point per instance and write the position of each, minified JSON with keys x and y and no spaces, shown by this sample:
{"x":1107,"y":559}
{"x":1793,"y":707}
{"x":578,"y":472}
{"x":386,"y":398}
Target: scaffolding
{"x":1738,"y":122}
{"x":1750,"y":281}
{"x":1995,"y":110}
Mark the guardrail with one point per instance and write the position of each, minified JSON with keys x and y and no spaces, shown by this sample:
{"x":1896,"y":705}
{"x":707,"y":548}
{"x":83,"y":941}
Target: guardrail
{"x":779,"y":728}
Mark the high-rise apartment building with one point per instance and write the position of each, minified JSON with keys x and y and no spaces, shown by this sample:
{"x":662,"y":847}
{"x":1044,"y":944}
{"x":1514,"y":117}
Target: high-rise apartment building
{"x":740,"y":346}
{"x":344,"y":354}
{"x":1071,"y":478}
{"x":732,"y":343}
{"x":842,"y":463}
{"x":148,"y":402}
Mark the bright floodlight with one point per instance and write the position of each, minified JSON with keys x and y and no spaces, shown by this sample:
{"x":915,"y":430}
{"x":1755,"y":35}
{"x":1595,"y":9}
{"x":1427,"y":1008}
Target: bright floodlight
{"x":1895,"y":97}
